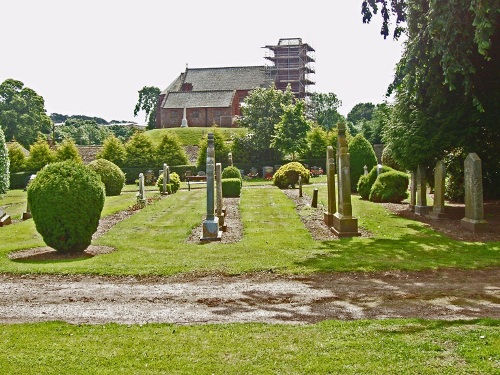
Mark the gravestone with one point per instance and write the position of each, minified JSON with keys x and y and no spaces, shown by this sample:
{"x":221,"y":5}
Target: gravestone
{"x":365,"y":170}
{"x":379,"y":169}
{"x":211,"y":230}
{"x":330,"y":181}
{"x":300,"y":186}
{"x":184,"y":122}
{"x":230,"y":159}
{"x":165,"y":173}
{"x":474,"y":210}
{"x":439,"y":177}
{"x":314,"y":202}
{"x":413,"y":190}
{"x":141,"y":195}
{"x":344,"y":224}
{"x":149,"y":177}
{"x":267,"y":172}
{"x":4,"y":218}
{"x":218,"y":188}
{"x":421,"y":207}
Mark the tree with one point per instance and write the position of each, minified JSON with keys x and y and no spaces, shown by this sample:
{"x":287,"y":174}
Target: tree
{"x":170,"y":151}
{"x":113,"y":150}
{"x":317,"y":142}
{"x":140,"y":152}
{"x":148,"y":100}
{"x":290,"y":132}
{"x":372,"y":129}
{"x":17,"y":157}
{"x":82,"y":131}
{"x":67,"y":151}
{"x":361,"y":154}
{"x":261,"y":111}
{"x":40,"y":155}
{"x":4,"y":165}
{"x":220,"y":146}
{"x":323,"y":109}
{"x":361,"y":111}
{"x":22,"y":113}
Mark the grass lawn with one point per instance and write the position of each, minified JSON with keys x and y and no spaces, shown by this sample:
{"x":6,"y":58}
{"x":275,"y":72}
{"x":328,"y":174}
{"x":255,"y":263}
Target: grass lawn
{"x":330,"y":347}
{"x":192,"y":136}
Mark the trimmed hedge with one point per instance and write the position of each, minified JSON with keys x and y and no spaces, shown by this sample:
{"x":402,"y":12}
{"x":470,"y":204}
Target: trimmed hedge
{"x":111,"y":175}
{"x":66,"y":199}
{"x":288,"y":175}
{"x":231,"y":172}
{"x":173,"y":186}
{"x":390,"y":187}
{"x":231,"y":187}
{"x":365,"y":183}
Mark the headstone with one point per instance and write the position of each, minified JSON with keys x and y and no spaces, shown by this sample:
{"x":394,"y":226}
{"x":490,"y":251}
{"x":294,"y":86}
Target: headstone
{"x":413,"y":190}
{"x":344,"y":224}
{"x":211,"y":230}
{"x":149,"y":177}
{"x":300,"y":186}
{"x":267,"y":172}
{"x":4,"y":218}
{"x":474,"y":210}
{"x":421,"y":207}
{"x":218,"y":189}
{"x":164,"y":191}
{"x":141,"y":195}
{"x":379,"y":169}
{"x":330,"y":181}
{"x":439,"y":177}
{"x":230,"y":159}
{"x":184,"y":123}
{"x":365,"y":170}
{"x":314,"y":202}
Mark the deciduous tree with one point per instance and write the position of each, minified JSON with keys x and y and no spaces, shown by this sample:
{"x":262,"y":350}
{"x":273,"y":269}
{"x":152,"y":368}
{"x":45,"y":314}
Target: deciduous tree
{"x":323,"y":109}
{"x":148,"y":99}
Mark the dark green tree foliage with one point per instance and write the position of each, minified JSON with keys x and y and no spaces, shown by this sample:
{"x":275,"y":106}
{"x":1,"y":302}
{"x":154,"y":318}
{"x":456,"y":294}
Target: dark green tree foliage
{"x":261,"y":111}
{"x":113,"y":150}
{"x":170,"y":151}
{"x":22,"y":113}
{"x":173,"y":187}
{"x":67,"y":151}
{"x":140,"y":152}
{"x":372,"y":129}
{"x":317,"y":142}
{"x":148,"y":100}
{"x":221,"y":150}
{"x":40,"y":155}
{"x":290,"y":133}
{"x":4,"y":165}
{"x":66,"y":200}
{"x":288,"y":175}
{"x":322,"y":108}
{"x":17,"y":157}
{"x":361,"y":154}
{"x":390,"y":187}
{"x":365,"y":183}
{"x":111,"y":176}
{"x":83,"y":132}
{"x":360,"y":112}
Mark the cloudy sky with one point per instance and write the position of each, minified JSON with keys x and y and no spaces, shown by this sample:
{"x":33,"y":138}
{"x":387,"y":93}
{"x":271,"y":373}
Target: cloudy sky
{"x":91,"y":57}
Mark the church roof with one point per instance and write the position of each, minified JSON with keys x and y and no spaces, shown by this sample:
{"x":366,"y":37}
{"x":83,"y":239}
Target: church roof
{"x":231,"y":78}
{"x":199,"y":99}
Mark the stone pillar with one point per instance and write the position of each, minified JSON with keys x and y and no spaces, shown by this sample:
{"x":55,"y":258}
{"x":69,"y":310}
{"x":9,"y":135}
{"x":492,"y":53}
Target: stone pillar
{"x":141,"y":195}
{"x":330,"y":180}
{"x":344,"y":224}
{"x":439,"y":177}
{"x":300,"y":186}
{"x":218,"y":188}
{"x":230,"y":159}
{"x":474,"y":210}
{"x":184,"y":123}
{"x":164,"y":191}
{"x":365,"y":170}
{"x":421,"y":207}
{"x":413,"y":190}
{"x":314,"y":202}
{"x":211,"y":223}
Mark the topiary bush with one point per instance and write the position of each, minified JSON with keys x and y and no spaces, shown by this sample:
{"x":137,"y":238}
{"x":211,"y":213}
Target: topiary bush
{"x":170,"y":151}
{"x":113,"y":150}
{"x":365,"y":183}
{"x":288,"y":175}
{"x":231,"y":187}
{"x":40,"y":155}
{"x":173,"y":186}
{"x":67,"y":151}
{"x":361,"y":154}
{"x":66,"y":199}
{"x":390,"y":187}
{"x":140,"y":151}
{"x":111,"y":175}
{"x":4,"y":165}
{"x":231,"y":172}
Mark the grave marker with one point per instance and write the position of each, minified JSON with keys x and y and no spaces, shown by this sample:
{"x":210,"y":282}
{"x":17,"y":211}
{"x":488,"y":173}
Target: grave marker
{"x":439,"y":177}
{"x":421,"y":207}
{"x":474,"y":210}
{"x":211,"y":230}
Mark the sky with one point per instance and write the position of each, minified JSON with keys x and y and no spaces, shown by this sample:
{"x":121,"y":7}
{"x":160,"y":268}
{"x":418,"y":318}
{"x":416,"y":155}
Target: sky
{"x":92,"y":57}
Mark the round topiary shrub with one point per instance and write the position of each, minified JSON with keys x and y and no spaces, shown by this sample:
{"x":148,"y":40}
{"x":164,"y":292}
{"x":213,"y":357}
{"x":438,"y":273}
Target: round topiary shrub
{"x":173,"y":187}
{"x":231,"y":172}
{"x":390,"y":187}
{"x":111,"y":175}
{"x":288,"y":175}
{"x":66,"y":200}
{"x":365,"y":183}
{"x":231,"y":187}
{"x":361,"y":154}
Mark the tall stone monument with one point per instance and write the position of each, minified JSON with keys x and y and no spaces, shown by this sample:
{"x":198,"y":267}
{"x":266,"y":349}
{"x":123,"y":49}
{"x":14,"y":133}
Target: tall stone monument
{"x":330,"y":182}
{"x":439,"y":177}
{"x":421,"y":207}
{"x":344,"y":224}
{"x":211,"y":230}
{"x":220,"y":211}
{"x":184,"y":123}
{"x":474,"y":210}
{"x":165,"y":178}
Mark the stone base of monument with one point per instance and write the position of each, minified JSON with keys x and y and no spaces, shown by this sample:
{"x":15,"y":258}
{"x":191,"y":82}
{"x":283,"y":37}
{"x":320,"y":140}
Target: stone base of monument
{"x":26,"y":215}
{"x":5,"y":220}
{"x":222,"y":224}
{"x":328,"y":219}
{"x":475,"y":226}
{"x":344,"y":226}
{"x":422,"y":210}
{"x":211,"y":230}
{"x":437,"y":215}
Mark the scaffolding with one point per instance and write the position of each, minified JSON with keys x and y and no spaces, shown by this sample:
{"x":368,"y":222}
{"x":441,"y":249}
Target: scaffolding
{"x":292,"y":65}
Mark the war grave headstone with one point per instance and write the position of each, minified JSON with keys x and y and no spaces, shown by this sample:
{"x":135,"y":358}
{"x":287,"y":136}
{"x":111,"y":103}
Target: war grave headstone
{"x":421,"y":207}
{"x":474,"y":209}
{"x":211,"y":230}
{"x":438,"y":209}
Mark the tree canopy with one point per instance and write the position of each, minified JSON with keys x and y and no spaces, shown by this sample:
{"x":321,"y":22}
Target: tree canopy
{"x":22,"y":113}
{"x":148,"y":100}
{"x":322,"y":108}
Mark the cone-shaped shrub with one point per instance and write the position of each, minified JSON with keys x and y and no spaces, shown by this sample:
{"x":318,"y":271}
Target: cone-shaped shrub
{"x":113,"y":150}
{"x":365,"y":183}
{"x":361,"y":154}
{"x":17,"y":157}
{"x":288,"y":175}
{"x":111,"y":175}
{"x":66,"y":200}
{"x":67,"y":150}
{"x":390,"y":187}
{"x":170,"y":151}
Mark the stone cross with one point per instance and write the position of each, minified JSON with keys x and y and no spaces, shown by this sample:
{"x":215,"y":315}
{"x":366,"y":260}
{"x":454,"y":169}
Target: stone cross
{"x":184,"y":123}
{"x":421,"y":207}
{"x":211,"y":223}
{"x":141,"y":195}
{"x":439,"y":177}
{"x":230,"y":159}
{"x":474,"y":210}
{"x":330,"y":181}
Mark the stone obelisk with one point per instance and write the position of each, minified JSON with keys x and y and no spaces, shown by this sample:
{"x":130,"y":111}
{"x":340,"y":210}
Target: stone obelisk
{"x":184,"y":123}
{"x":211,"y":230}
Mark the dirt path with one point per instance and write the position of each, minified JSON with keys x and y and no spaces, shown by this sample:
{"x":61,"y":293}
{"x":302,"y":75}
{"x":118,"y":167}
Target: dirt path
{"x":442,"y":294}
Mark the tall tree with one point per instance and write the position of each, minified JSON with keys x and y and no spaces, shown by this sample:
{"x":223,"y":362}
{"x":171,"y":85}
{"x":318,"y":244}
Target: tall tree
{"x":148,"y":100}
{"x":360,"y":112}
{"x":22,"y":113}
{"x":323,"y":109}
{"x":291,"y":131}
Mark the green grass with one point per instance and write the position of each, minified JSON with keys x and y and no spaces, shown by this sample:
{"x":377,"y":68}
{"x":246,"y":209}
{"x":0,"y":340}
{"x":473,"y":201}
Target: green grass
{"x":192,"y":136}
{"x":153,"y":241}
{"x":330,"y":347}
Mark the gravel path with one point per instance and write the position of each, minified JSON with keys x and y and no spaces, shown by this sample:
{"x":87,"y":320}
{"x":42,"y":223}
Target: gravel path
{"x":443,"y":294}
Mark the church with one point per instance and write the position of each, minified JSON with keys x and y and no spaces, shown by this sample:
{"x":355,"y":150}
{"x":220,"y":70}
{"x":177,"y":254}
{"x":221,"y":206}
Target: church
{"x":204,"y":97}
